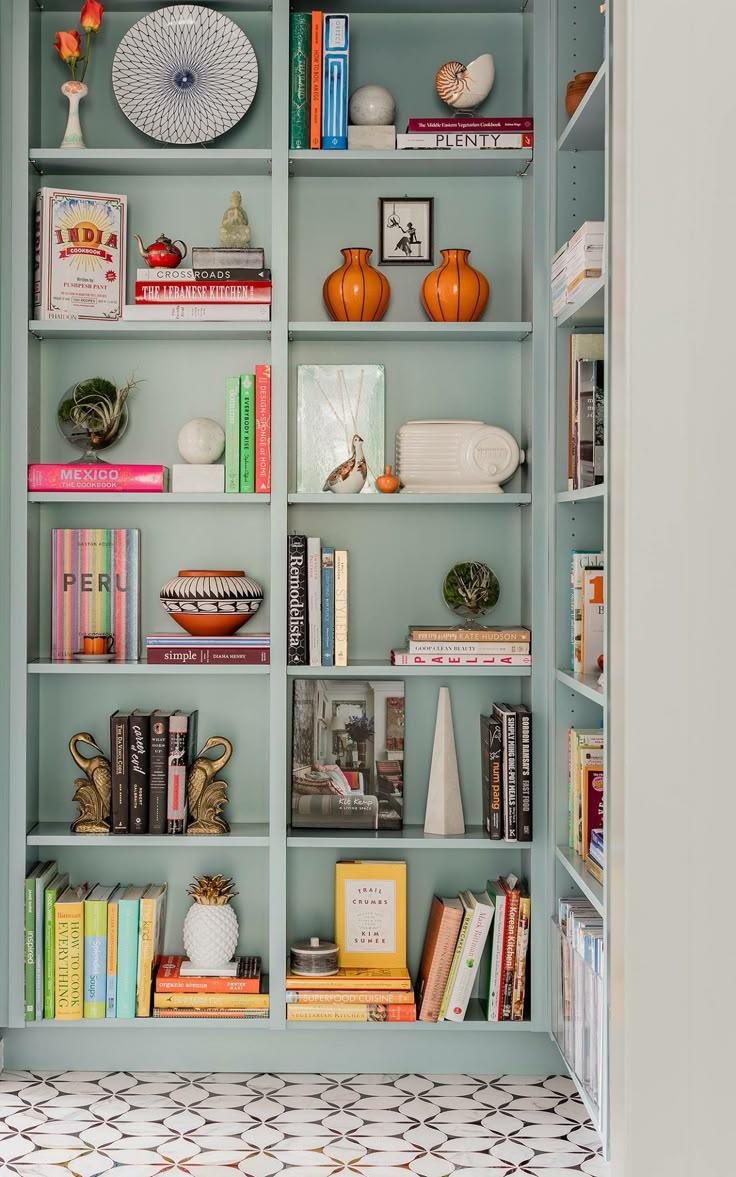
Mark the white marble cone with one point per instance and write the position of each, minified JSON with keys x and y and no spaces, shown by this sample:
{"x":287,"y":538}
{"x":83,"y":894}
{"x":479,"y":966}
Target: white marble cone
{"x":444,"y":812}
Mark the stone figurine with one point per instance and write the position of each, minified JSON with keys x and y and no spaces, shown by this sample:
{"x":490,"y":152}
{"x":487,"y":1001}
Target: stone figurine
{"x":235,"y":230}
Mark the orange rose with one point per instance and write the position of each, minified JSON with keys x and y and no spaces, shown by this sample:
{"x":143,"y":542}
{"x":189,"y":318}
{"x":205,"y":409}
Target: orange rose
{"x":68,"y":45}
{"x":91,"y":17}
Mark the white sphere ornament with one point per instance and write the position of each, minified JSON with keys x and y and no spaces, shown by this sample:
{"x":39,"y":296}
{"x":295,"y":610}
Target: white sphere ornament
{"x":372,"y":106}
{"x":201,"y":441}
{"x":464,"y":87}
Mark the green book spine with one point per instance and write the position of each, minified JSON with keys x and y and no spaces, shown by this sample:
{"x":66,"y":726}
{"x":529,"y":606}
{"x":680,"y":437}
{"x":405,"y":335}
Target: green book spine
{"x":30,"y":949}
{"x":51,"y":894}
{"x":299,"y":47}
{"x":247,"y":434}
{"x":128,"y":914}
{"x":232,"y":435}
{"x":95,"y":957}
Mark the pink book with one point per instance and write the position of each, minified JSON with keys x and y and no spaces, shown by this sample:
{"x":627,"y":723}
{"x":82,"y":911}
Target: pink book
{"x":263,"y":429}
{"x":404,"y":658}
{"x":489,"y":126}
{"x":97,"y":476}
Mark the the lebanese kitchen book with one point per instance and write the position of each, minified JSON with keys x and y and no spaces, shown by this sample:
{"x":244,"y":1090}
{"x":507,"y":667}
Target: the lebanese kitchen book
{"x":370,"y":914}
{"x":95,"y":589}
{"x":335,"y":403}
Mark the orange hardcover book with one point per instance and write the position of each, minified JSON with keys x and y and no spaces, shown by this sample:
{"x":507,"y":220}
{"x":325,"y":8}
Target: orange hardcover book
{"x":315,"y":83}
{"x":170,"y":980}
{"x":443,"y":928}
{"x":353,"y":979}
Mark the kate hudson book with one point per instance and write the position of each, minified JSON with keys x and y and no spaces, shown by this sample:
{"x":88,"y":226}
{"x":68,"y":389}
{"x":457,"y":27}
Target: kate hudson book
{"x":95,"y":588}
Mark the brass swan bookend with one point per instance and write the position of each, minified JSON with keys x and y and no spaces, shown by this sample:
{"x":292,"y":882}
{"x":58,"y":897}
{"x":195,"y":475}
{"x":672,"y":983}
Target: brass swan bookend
{"x":206,"y":796}
{"x":93,"y":790}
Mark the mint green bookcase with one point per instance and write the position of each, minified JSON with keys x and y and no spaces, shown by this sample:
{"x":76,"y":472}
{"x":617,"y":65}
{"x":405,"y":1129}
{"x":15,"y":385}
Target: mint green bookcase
{"x":508,"y":369}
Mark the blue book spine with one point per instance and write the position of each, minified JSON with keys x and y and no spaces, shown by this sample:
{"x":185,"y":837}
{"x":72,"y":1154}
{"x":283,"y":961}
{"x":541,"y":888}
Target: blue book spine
{"x":128,"y":911}
{"x":328,"y":606}
{"x":335,"y":82}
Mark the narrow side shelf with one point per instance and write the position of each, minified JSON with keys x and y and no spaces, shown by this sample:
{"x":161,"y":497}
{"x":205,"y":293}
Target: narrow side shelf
{"x":56,"y":833}
{"x":589,"y":311}
{"x":151,"y":161}
{"x":588,"y":494}
{"x":169,"y":499}
{"x":586,"y":130}
{"x":46,"y":666}
{"x":575,"y":867}
{"x":325,"y":499}
{"x":369,"y":669}
{"x":583,"y":684}
{"x":408,"y":838}
{"x":411,"y":332}
{"x":128,"y":329}
{"x":430,"y":162}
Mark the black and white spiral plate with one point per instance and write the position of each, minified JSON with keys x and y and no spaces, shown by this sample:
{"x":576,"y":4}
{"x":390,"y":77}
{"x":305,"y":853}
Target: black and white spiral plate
{"x":184,"y":74}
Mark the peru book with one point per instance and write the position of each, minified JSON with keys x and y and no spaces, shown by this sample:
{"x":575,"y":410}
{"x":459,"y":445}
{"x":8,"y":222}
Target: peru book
{"x":95,"y":588}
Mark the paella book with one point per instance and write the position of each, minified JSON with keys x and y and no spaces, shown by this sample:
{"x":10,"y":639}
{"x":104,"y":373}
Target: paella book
{"x":95,"y":589}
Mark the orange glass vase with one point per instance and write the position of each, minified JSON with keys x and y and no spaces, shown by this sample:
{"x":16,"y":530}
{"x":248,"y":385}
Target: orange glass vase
{"x":455,"y":292}
{"x":356,"y":293}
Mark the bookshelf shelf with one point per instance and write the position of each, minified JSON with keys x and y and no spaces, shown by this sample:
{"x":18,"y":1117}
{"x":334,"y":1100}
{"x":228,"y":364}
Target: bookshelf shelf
{"x":45,"y":666}
{"x":126,"y":329}
{"x":412,"y":332}
{"x":586,"y":130}
{"x":573,"y":863}
{"x":168,"y":499}
{"x":475,"y":1021}
{"x":432,"y":162}
{"x":408,"y":838}
{"x":587,"y":495}
{"x":152,"y":161}
{"x":583,"y":684}
{"x":56,"y":833}
{"x":589,"y":312}
{"x":154,"y":1025}
{"x":410,"y":500}
{"x":358,"y":669}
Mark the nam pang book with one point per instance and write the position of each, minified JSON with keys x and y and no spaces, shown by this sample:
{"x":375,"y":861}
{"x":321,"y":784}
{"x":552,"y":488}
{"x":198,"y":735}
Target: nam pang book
{"x":95,"y":588}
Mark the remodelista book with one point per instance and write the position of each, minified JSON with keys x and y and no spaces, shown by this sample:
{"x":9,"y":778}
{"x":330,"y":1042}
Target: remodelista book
{"x":97,"y":476}
{"x":95,"y":589}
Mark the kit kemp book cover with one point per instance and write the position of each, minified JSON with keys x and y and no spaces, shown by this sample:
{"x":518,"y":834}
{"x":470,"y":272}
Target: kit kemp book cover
{"x":95,"y":589}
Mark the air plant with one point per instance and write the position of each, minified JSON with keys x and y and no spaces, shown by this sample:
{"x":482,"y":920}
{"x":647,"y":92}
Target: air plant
{"x":471,"y":588}
{"x":95,"y":411}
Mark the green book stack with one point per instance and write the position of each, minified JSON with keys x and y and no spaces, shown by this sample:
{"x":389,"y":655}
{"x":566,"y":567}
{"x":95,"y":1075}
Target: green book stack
{"x":299,"y":50}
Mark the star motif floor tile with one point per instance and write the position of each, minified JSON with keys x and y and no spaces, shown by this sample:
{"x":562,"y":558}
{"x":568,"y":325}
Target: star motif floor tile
{"x":131,"y":1124}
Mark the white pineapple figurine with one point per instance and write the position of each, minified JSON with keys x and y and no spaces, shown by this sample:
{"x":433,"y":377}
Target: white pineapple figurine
{"x":211,"y":925}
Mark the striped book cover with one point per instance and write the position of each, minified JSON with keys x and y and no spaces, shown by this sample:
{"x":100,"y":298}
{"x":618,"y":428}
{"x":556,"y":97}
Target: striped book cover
{"x":95,"y":586}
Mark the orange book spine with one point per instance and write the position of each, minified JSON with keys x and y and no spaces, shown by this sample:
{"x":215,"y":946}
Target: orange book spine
{"x":315,"y":91}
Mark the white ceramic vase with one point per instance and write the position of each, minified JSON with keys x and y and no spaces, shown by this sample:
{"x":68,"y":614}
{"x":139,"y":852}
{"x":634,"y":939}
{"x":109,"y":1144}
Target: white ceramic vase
{"x":74,"y":92}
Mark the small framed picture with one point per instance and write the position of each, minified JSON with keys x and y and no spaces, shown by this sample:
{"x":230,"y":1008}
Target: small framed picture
{"x":405,"y":231}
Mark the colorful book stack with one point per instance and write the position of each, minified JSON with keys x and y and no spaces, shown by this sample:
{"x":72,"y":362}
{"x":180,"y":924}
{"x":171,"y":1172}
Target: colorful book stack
{"x":586,"y":415}
{"x":223,"y":285}
{"x":248,"y":432}
{"x":90,"y":951}
{"x":76,"y":478}
{"x":581,"y":1008}
{"x":170,"y":649}
{"x":587,"y":612}
{"x":430,"y":645}
{"x":506,"y":769}
{"x":577,"y":265}
{"x":351,"y":995}
{"x":477,"y":134}
{"x":586,"y":797}
{"x":235,"y":990}
{"x":317,"y":603}
{"x":319,"y":81}
{"x":150,"y":753}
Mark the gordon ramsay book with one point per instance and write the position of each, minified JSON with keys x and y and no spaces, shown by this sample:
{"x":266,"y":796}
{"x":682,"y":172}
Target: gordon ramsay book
{"x":95,"y":588}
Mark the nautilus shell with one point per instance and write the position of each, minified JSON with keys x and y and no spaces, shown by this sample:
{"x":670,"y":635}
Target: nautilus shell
{"x":465,"y":86}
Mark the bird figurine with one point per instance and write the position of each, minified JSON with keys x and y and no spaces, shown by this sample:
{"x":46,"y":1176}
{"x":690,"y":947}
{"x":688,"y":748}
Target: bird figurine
{"x":349,"y":477}
{"x":464,"y":87}
{"x":94,"y":790}
{"x":206,"y":796}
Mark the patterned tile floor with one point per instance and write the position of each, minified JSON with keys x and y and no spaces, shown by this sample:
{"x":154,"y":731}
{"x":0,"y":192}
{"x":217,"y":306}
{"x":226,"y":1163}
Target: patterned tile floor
{"x":53,"y":1124}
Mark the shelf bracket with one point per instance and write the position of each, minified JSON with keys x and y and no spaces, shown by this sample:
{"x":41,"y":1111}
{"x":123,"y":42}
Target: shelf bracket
{"x":290,"y":336}
{"x":269,"y":167}
{"x":526,"y":169}
{"x":36,"y":168}
{"x":36,"y":335}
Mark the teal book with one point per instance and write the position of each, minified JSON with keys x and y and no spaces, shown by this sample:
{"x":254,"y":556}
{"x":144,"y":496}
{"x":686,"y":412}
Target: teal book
{"x":128,"y":927}
{"x":247,"y":434}
{"x":56,"y":888}
{"x":95,"y":951}
{"x":46,"y":876}
{"x":232,"y":435}
{"x":299,"y":53}
{"x":111,"y":996}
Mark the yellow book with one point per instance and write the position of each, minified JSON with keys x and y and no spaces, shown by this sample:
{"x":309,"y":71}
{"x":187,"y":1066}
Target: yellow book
{"x":150,"y":938}
{"x":69,"y":937}
{"x":210,"y":1001}
{"x":347,"y":1013}
{"x":370,"y":914}
{"x":341,"y":608}
{"x":352,"y":979}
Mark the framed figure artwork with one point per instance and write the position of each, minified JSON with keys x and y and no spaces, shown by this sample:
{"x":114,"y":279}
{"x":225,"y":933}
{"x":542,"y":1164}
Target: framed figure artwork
{"x":405,"y":231}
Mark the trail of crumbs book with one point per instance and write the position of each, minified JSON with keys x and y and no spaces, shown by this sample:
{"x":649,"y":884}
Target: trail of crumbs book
{"x":95,"y":589}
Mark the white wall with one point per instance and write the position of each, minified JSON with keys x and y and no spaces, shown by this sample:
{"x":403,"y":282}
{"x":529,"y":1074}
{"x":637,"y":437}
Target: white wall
{"x":672,"y":815}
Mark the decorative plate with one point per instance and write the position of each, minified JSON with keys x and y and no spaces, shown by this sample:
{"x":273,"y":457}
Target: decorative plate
{"x":184,"y":74}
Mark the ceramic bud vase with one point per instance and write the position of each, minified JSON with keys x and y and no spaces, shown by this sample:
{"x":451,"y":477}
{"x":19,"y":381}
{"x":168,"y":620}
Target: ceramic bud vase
{"x":455,"y":292}
{"x":75,"y":92}
{"x":356,"y":293}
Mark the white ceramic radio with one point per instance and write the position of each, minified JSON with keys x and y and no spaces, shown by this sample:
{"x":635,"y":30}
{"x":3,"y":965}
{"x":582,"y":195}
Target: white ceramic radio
{"x":455,"y":457}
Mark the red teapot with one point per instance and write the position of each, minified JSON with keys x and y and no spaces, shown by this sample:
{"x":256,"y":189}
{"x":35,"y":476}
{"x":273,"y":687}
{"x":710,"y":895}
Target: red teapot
{"x":163,"y":253}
